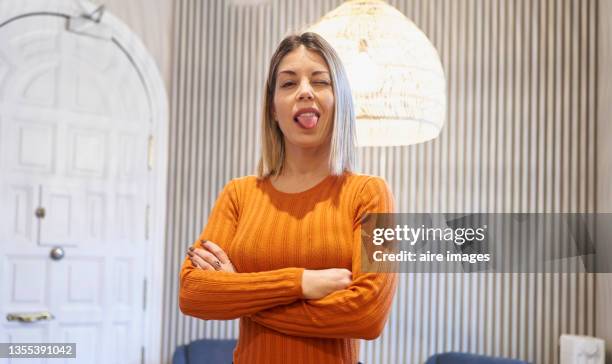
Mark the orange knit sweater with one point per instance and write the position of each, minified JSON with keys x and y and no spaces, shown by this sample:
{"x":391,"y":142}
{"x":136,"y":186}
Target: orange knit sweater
{"x":271,"y":237}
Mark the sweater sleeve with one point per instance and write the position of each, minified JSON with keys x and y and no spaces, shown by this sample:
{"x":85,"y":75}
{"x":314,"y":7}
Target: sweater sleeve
{"x":212,"y":295}
{"x":360,"y":310}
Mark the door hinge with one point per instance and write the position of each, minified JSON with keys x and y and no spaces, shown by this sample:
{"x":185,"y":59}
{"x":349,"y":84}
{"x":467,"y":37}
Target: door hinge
{"x":142,"y":355}
{"x":147,"y":219}
{"x":144,"y":294}
{"x":150,"y":152}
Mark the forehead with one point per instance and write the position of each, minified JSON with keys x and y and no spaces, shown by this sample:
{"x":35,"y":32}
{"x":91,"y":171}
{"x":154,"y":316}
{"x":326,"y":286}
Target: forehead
{"x":302,"y":60}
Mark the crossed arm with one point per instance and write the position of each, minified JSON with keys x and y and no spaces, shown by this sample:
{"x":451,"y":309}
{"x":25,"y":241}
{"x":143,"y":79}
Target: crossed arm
{"x":329,"y":303}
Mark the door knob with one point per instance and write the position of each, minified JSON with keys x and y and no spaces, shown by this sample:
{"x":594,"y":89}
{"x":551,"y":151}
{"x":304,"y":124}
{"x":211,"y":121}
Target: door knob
{"x":29,"y":316}
{"x":57,"y":253}
{"x":40,"y":212}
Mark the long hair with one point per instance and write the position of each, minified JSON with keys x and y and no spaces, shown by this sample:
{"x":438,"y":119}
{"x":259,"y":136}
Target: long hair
{"x":342,"y":149}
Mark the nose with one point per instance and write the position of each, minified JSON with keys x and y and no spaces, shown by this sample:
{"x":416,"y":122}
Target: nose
{"x":305,"y":91}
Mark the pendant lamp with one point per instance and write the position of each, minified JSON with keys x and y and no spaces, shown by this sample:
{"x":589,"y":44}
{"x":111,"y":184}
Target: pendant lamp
{"x":395,"y":73}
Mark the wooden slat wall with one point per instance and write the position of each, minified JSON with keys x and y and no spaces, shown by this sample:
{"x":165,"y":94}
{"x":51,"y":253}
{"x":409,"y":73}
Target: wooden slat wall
{"x":603,"y":326}
{"x":520,"y":137}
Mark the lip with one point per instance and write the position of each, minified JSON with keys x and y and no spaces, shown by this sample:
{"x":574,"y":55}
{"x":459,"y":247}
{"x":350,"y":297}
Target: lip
{"x":306,"y":110}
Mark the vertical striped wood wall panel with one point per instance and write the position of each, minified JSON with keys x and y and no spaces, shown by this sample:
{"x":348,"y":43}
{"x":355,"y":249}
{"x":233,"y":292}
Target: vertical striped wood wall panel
{"x":603,"y":287}
{"x":520,"y":137}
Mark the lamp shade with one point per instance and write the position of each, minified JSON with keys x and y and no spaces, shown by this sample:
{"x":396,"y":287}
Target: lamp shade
{"x":397,"y":80}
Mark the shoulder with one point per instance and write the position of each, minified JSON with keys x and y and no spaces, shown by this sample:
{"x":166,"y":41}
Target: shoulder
{"x":365,"y":182}
{"x":236,"y":190}
{"x":243,"y":182}
{"x":371,"y":194}
{"x":241,"y":186}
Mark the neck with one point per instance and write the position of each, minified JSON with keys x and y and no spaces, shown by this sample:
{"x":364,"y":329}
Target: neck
{"x":302,"y":162}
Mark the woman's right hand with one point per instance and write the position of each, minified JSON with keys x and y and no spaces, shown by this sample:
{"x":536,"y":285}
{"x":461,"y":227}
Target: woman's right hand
{"x":319,"y":283}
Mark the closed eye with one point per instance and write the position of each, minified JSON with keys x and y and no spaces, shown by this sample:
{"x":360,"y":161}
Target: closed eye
{"x":318,"y":82}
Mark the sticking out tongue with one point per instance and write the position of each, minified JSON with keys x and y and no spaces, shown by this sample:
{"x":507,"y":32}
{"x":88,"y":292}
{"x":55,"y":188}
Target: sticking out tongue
{"x":308,"y":120}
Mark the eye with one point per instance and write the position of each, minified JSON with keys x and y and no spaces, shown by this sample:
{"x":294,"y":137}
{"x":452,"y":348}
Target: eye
{"x":287,"y":84}
{"x":322,"y":82}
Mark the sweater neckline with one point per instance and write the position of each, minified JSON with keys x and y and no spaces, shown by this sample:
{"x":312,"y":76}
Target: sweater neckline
{"x":321,"y":184}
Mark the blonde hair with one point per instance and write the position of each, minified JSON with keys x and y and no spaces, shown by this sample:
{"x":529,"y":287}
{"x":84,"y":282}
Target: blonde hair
{"x":342,"y":150}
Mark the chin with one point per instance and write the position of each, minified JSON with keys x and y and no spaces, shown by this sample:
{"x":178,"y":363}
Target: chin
{"x":306,"y":141}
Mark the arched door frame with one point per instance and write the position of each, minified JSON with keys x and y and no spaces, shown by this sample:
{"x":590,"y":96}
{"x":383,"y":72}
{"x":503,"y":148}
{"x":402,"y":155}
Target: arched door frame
{"x":143,"y":62}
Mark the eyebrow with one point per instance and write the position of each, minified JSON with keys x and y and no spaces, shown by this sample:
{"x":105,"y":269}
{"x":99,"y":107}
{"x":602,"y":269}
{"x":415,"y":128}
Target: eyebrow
{"x":292,"y":73}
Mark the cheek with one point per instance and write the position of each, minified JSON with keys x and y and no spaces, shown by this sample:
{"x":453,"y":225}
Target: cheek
{"x":280,"y":107}
{"x":328,"y":102}
{"x":275,"y":107}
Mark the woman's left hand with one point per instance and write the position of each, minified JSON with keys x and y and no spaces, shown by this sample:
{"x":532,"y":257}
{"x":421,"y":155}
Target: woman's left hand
{"x":211,"y":257}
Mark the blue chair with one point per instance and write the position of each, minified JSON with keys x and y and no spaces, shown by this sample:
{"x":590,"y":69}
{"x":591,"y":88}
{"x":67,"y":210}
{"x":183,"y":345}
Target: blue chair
{"x":464,"y":358}
{"x":205,"y":351}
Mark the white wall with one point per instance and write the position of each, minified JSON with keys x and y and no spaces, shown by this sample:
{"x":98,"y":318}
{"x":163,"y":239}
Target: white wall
{"x":152,"y":20}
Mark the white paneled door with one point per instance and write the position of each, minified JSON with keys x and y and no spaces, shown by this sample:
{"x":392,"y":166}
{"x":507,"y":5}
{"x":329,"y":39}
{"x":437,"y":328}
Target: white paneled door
{"x":74,"y":138}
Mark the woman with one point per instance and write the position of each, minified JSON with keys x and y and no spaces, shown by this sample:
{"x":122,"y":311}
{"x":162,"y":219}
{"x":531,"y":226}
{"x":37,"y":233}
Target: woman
{"x":281,"y":251}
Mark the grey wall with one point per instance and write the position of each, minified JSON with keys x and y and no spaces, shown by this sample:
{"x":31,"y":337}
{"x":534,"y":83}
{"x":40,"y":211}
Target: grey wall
{"x":521,"y":136}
